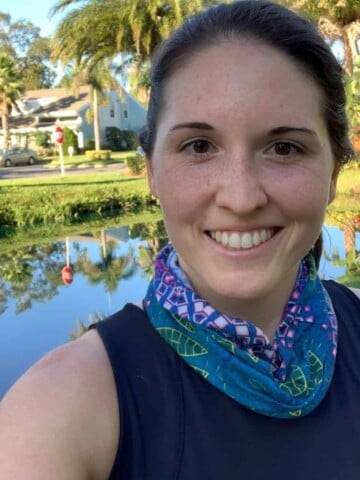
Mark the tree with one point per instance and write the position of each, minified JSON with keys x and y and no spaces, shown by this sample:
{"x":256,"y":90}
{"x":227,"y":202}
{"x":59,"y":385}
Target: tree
{"x":34,"y":66}
{"x":100,"y":79}
{"x":11,"y":87}
{"x":132,"y":27}
{"x":353,"y":103}
{"x":336,"y":20}
{"x":21,"y":41}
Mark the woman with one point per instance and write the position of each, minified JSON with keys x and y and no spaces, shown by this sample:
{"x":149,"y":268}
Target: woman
{"x":233,"y":364}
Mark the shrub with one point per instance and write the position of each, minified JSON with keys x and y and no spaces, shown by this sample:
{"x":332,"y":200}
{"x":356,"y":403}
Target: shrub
{"x":42,"y":139}
{"x":120,"y":140}
{"x":136,"y":164}
{"x":70,"y":140}
{"x":98,"y":154}
{"x":89,"y":144}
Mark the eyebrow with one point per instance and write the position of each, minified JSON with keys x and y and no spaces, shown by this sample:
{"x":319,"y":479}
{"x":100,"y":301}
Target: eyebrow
{"x":285,"y":129}
{"x":198,"y":125}
{"x":274,"y":131}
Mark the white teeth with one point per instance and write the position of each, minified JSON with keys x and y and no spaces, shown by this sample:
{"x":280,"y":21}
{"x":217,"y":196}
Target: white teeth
{"x":235,"y":240}
{"x":246,"y":240}
{"x":238,"y":240}
{"x":263,"y":235}
{"x":224,"y":238}
{"x":256,"y":238}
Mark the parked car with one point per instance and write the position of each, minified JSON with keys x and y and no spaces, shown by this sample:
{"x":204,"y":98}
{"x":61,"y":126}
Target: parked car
{"x":17,"y":156}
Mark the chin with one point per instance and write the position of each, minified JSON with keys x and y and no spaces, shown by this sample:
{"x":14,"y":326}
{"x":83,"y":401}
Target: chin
{"x":237,"y":292}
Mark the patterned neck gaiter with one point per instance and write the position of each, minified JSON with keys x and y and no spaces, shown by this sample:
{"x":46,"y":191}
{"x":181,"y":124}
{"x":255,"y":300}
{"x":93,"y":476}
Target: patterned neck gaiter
{"x":285,"y":379}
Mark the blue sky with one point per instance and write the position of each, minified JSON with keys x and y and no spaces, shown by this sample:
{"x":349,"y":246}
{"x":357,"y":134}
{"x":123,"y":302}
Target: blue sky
{"x":34,"y":10}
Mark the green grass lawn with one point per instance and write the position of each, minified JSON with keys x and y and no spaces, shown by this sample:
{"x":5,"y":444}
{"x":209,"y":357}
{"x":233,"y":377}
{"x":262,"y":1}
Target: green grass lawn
{"x":68,"y":179}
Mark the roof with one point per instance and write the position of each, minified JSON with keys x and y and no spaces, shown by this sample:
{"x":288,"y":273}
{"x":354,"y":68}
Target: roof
{"x":53,"y":101}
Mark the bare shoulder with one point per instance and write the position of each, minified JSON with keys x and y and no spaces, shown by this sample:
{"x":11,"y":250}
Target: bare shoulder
{"x":60,"y":420}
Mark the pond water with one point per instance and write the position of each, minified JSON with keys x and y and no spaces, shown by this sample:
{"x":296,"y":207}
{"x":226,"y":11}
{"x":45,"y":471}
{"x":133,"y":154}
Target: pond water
{"x":110,"y":268}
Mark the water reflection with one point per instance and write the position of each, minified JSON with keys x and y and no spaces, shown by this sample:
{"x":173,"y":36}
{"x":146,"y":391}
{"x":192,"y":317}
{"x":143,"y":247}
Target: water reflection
{"x":342,"y":252}
{"x":109,"y":268}
{"x":30,"y":275}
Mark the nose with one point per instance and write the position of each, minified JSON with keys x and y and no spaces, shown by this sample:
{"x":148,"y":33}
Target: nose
{"x":241,"y":186}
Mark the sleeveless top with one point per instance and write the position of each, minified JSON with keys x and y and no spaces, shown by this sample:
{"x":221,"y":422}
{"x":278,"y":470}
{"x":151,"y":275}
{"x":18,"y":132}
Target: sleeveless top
{"x":177,"y":426}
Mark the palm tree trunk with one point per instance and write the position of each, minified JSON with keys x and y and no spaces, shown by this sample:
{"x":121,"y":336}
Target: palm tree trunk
{"x":348,"y":57}
{"x":5,"y":126}
{"x":352,"y":33}
{"x":96,"y":120}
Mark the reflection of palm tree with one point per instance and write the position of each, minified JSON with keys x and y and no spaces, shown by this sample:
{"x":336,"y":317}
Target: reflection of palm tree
{"x":156,"y":237}
{"x":145,"y":260}
{"x":110,"y":269}
{"x":153,"y":232}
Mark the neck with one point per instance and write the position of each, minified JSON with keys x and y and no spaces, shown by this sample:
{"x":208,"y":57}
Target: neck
{"x":265,"y":312}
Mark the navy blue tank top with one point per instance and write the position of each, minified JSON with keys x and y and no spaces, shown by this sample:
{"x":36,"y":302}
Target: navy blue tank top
{"x":177,"y":426}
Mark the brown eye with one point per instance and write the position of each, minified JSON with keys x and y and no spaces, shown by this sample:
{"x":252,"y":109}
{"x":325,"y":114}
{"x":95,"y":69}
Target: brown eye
{"x":199,"y":149}
{"x":283,"y":148}
{"x":201,"y":146}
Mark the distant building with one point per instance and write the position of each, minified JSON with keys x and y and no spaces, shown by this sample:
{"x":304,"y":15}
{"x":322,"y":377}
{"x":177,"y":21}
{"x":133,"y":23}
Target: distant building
{"x":43,"y":109}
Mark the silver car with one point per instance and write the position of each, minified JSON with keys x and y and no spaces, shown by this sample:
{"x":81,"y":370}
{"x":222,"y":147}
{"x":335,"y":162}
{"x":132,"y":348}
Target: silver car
{"x":17,"y":156}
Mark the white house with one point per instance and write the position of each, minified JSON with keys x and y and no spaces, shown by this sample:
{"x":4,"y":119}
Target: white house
{"x":43,"y":109}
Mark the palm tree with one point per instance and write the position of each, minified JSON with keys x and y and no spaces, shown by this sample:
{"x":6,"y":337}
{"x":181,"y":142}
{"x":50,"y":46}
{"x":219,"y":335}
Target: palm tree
{"x":133,"y":27}
{"x":353,"y":104}
{"x":11,"y":87}
{"x":99,"y":77}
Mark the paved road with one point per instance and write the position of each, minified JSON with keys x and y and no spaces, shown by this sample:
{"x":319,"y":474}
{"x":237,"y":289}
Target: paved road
{"x":29,"y":171}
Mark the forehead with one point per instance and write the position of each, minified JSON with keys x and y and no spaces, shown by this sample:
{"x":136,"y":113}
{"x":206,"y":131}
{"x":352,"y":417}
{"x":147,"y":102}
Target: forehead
{"x":243,"y":75}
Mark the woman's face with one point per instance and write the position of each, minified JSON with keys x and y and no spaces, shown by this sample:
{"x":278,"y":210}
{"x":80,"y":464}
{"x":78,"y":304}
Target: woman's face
{"x":243,"y":169}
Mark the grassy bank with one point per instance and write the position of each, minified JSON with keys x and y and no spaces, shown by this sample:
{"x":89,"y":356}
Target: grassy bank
{"x":67,"y":200}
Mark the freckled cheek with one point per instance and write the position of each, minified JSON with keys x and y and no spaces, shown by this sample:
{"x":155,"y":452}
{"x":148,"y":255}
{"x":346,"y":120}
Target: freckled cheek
{"x":303,"y":197}
{"x":180,"y":193}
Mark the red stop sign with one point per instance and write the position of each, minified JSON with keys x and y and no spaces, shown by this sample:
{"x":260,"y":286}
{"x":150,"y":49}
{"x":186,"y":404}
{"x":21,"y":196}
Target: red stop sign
{"x":58,"y":135}
{"x":67,"y":275}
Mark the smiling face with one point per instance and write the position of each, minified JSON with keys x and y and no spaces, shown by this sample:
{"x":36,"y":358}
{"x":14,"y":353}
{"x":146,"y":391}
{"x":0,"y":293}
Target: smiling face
{"x":243,"y":169}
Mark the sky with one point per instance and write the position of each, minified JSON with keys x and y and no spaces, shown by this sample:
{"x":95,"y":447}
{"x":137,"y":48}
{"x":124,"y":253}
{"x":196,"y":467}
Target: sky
{"x":34,"y":10}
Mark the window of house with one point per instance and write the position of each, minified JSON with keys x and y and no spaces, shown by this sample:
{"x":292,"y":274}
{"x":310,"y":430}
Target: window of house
{"x":112,"y":111}
{"x":125,"y":112}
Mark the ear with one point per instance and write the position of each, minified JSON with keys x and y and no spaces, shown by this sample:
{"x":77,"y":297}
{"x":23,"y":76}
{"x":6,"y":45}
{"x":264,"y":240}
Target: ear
{"x":333,"y":183}
{"x":151,"y":177}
